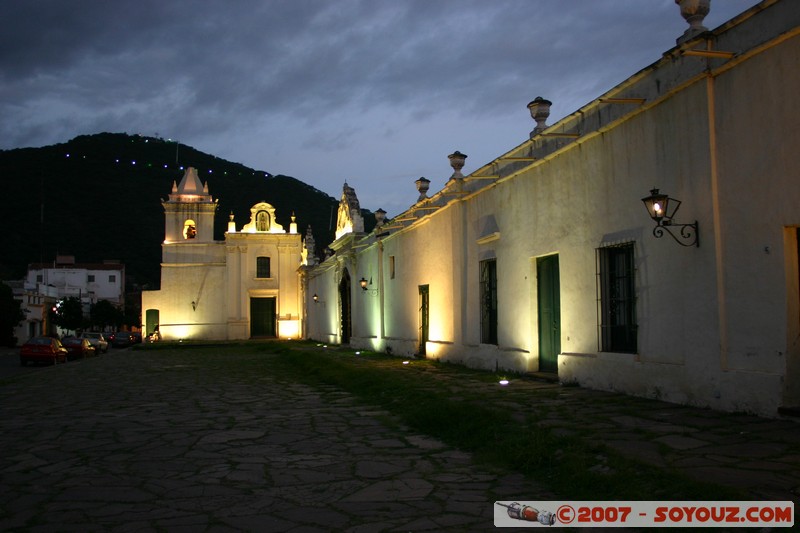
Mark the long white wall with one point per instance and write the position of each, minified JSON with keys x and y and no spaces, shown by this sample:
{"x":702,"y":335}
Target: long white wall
{"x":717,"y":325}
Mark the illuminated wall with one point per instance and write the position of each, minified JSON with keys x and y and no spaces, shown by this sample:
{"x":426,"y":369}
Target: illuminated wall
{"x":715,"y":325}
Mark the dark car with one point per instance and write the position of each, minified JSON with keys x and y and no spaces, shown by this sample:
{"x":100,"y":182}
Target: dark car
{"x":42,"y":350}
{"x":78,"y":348}
{"x":122,"y":339}
{"x":137,"y":337}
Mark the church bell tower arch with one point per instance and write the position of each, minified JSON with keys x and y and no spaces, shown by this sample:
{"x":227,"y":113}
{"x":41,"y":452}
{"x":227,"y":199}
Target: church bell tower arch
{"x":189,"y":211}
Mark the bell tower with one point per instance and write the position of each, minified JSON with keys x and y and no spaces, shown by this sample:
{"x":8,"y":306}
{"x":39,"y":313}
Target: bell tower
{"x":189,"y":211}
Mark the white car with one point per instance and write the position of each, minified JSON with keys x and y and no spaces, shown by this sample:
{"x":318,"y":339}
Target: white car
{"x":97,"y":340}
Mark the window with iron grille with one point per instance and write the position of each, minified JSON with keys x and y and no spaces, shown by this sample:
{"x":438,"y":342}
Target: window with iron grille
{"x":262,"y":267}
{"x":616,"y":302}
{"x":488,"y":273}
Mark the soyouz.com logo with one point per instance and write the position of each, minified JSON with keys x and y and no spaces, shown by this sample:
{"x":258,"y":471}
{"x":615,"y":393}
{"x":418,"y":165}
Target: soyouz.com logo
{"x":643,"y":514}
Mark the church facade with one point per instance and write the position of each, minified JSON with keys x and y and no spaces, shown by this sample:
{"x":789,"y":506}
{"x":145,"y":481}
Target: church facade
{"x":568,"y":255}
{"x":246,"y":286}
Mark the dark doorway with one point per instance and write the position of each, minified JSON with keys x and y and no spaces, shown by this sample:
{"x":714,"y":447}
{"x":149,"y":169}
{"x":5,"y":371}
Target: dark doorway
{"x":424,"y":318}
{"x":262,"y":317}
{"x":344,"y":298}
{"x":549,"y":303}
{"x":488,"y":272}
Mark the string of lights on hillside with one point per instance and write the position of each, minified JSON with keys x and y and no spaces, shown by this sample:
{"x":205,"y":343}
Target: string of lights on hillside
{"x":176,"y":166}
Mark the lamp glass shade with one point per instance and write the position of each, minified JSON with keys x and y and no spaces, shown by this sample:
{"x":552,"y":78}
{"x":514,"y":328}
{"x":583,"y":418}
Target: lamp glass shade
{"x":363,"y":282}
{"x":660,"y":206}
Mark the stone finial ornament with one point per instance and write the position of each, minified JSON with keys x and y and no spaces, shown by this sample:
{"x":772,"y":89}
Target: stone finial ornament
{"x":693,"y":11}
{"x":540,"y":110}
{"x":457,"y":160}
{"x":423,"y":184}
{"x":380,"y":217}
{"x":308,"y":253}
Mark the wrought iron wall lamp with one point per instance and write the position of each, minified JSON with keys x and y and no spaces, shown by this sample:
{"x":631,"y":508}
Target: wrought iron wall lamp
{"x":662,"y":209}
{"x":365,"y":286}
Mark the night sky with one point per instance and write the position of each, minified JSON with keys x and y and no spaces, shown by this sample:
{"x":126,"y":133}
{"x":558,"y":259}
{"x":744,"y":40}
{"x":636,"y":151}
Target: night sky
{"x":373,"y":92}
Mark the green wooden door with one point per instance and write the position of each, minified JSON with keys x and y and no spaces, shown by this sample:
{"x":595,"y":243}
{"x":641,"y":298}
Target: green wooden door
{"x":549,"y":305}
{"x":262,"y":317}
{"x":151,"y":321}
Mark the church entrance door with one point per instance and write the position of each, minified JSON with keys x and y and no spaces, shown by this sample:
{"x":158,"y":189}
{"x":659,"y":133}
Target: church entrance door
{"x":262,"y":317}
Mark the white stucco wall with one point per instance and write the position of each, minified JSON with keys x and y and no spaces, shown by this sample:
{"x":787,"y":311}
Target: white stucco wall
{"x":717,"y":325}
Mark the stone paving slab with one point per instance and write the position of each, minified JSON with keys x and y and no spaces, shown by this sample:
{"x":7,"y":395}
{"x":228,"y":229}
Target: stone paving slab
{"x":117,"y":444}
{"x":731,"y":449}
{"x":134,"y":442}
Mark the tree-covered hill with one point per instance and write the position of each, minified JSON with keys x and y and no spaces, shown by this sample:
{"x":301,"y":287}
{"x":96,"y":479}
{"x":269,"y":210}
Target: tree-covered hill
{"x":99,"y":197}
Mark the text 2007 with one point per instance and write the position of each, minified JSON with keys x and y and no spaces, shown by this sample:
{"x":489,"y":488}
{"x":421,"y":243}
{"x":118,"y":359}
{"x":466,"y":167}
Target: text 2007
{"x":603,"y":514}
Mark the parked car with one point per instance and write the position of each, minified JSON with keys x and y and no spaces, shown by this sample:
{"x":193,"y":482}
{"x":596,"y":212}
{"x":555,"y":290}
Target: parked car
{"x":78,"y":347}
{"x":42,"y":350}
{"x":97,"y":340}
{"x":109,"y":337}
{"x":137,"y":337}
{"x":122,"y":339}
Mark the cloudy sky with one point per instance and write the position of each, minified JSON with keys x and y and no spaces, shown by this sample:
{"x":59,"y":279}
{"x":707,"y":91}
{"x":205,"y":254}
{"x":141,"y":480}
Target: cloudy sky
{"x":373,"y":92}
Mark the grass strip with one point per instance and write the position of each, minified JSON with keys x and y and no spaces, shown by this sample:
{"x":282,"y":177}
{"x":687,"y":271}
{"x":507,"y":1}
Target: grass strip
{"x":577,"y":467}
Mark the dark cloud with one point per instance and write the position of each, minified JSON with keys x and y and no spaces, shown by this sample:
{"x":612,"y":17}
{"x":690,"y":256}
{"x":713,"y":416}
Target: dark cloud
{"x":223,"y":72}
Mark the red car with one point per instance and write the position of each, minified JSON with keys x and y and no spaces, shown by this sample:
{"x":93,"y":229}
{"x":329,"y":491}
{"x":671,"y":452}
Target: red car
{"x":78,"y":348}
{"x":42,"y":350}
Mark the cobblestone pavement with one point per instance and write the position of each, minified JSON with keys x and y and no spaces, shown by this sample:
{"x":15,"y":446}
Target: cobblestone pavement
{"x":758,"y":456}
{"x":133,"y":441}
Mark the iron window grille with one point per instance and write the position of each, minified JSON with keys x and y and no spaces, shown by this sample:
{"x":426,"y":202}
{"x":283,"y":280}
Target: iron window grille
{"x":616,"y":299}
{"x":262,"y":267}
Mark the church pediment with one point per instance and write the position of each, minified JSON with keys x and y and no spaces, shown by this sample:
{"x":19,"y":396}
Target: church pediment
{"x":349,"y":219}
{"x":262,"y":220}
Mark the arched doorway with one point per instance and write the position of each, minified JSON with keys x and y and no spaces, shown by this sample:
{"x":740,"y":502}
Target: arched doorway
{"x":344,"y":298}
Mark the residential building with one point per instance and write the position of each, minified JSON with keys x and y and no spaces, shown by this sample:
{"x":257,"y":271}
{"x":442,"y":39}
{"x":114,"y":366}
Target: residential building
{"x":88,"y":282}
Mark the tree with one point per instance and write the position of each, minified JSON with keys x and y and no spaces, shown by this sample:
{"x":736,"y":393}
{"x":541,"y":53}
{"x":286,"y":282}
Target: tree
{"x":10,"y":315}
{"x":104,"y":313}
{"x":69,"y":314}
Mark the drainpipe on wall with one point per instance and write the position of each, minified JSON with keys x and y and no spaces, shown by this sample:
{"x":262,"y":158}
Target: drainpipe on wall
{"x":715,"y":210}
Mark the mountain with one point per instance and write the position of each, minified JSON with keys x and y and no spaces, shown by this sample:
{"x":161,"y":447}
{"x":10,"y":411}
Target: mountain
{"x":99,"y":197}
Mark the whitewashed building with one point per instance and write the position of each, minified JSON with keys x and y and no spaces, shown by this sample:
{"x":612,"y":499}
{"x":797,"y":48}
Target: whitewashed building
{"x":88,"y":282}
{"x":547,"y":260}
{"x":45,"y":284}
{"x":245,"y":286}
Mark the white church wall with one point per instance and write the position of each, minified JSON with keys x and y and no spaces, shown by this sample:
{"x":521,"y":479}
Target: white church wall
{"x":322,"y":322}
{"x":191,"y":303}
